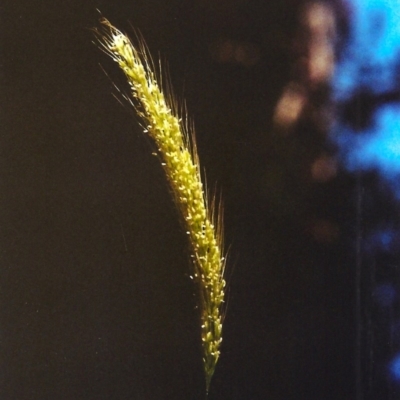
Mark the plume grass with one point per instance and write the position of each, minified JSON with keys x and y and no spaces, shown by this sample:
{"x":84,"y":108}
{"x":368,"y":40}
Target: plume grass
{"x":176,"y":148}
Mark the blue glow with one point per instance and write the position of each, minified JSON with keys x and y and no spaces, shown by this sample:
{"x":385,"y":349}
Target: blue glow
{"x":377,"y":148}
{"x":395,"y":368}
{"x":370,"y":64}
{"x":374,"y":45}
{"x":385,"y":240}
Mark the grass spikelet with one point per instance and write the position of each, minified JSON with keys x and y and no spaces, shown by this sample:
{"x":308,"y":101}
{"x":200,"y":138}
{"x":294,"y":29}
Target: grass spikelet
{"x":177,"y":152}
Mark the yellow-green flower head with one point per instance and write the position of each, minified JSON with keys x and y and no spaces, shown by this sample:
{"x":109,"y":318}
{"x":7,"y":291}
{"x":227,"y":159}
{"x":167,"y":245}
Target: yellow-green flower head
{"x":177,"y":150}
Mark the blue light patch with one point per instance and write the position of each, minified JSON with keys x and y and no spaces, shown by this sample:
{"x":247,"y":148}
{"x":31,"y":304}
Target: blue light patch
{"x":377,"y":148}
{"x":370,"y":57}
{"x":384,"y":240}
{"x":395,"y":368}
{"x":370,"y":65}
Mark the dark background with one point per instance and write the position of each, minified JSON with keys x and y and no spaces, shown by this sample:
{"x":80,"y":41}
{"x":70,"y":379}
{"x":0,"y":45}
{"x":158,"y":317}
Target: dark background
{"x":96,"y":299}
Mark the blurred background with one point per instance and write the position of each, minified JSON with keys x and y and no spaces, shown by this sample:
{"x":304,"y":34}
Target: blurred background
{"x":96,"y":296}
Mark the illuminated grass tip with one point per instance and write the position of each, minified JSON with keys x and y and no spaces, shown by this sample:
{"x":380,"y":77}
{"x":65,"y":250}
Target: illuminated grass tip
{"x":177,"y":150}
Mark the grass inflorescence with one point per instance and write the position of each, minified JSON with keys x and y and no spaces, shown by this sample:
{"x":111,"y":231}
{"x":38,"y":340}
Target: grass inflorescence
{"x":177,"y":150}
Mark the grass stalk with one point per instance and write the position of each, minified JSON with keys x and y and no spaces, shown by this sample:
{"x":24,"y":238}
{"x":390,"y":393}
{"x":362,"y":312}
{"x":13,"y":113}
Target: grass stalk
{"x":176,"y":148}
